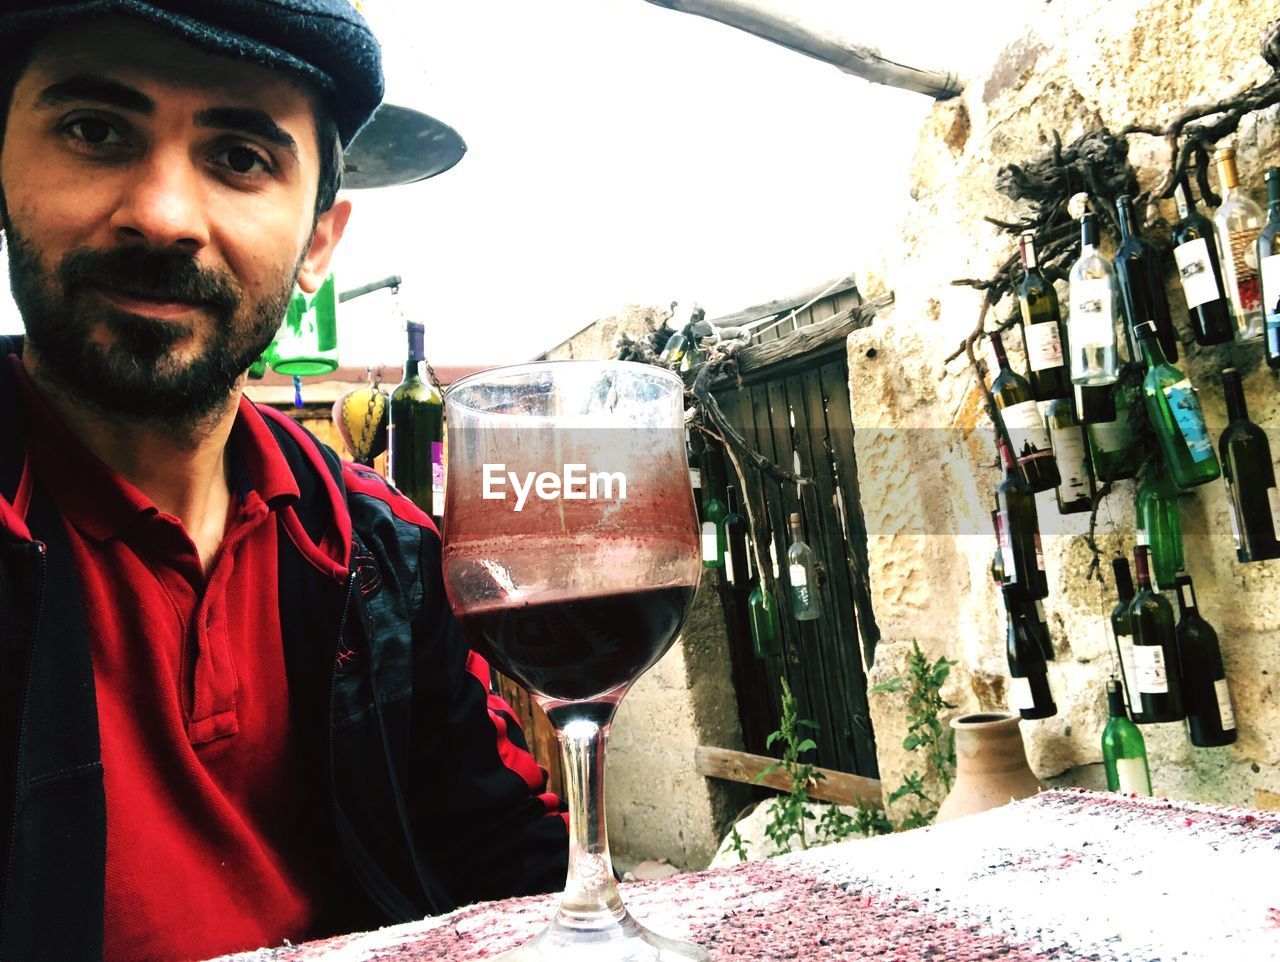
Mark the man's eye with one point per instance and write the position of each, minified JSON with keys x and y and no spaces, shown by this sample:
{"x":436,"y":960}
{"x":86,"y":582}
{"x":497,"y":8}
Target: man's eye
{"x":94,"y":130}
{"x":244,"y":160}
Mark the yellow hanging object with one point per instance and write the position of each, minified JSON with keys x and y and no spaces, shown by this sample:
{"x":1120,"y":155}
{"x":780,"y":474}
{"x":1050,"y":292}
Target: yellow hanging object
{"x":360,"y":415}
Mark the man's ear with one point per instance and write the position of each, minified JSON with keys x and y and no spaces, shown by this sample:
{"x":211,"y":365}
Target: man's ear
{"x":329,"y":228}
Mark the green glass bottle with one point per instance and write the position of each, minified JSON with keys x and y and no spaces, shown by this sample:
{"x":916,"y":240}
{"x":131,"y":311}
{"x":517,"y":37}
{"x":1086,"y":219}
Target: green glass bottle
{"x":1041,"y":327}
{"x":307,"y":343}
{"x":766,"y":631}
{"x":415,"y":433}
{"x":1155,"y":648}
{"x":1122,"y":629}
{"x":1211,"y":721}
{"x":1124,"y":750}
{"x":713,"y":515}
{"x":1252,"y":497}
{"x":1159,"y":524}
{"x":1074,"y":493}
{"x":1175,"y":415}
{"x":1269,"y":268}
{"x":1141,"y":283}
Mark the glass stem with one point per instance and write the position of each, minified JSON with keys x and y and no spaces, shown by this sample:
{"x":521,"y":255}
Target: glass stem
{"x":591,"y":898}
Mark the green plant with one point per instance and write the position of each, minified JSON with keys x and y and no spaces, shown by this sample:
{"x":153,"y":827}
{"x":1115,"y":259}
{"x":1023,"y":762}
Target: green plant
{"x":789,"y":812}
{"x":738,"y":844}
{"x":925,"y":705}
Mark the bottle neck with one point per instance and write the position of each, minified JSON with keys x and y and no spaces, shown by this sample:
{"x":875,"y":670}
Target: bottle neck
{"x":1124,"y":208}
{"x":1152,"y":351}
{"x":413,"y":360}
{"x":1233,"y":388}
{"x":731,"y":499}
{"x":796,"y":534}
{"x":1227,"y":174}
{"x":1186,"y":593}
{"x":997,"y":346}
{"x":1088,"y":233}
{"x":1027,"y":249}
{"x":1124,"y":580}
{"x":1115,"y":701}
{"x":1273,"y":189}
{"x":1182,"y":199}
{"x":1140,"y":563}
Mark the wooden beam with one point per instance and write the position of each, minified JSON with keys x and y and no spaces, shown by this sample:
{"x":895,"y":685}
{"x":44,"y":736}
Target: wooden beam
{"x":768,"y":21}
{"x":774,"y":308}
{"x":796,"y":348}
{"x":839,"y":787}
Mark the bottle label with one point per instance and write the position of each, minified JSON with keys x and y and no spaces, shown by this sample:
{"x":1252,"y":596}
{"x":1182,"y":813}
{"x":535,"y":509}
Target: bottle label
{"x":1128,"y":668}
{"x":1273,"y":498}
{"x":1199,"y":283}
{"x":799,"y":579}
{"x":1039,"y":552}
{"x":1187,"y":597}
{"x":1234,"y":514}
{"x":1005,"y":537}
{"x":1027,"y":432}
{"x":1091,"y":317}
{"x":437,"y":479}
{"x":1225,"y":711}
{"x":1068,"y":451}
{"x":710,"y":543}
{"x":773,"y":558}
{"x":1244,"y":257}
{"x":1271,"y":285}
{"x":728,"y":568}
{"x":1133,"y":776}
{"x":695,"y":478}
{"x":1044,"y":345}
{"x":1040,"y":612}
{"x":1153,"y":676}
{"x":1020,"y":694}
{"x":799,"y":587}
{"x":1185,"y":408}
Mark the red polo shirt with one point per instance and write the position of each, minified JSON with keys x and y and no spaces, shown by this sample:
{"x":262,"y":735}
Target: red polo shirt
{"x":211,"y":816}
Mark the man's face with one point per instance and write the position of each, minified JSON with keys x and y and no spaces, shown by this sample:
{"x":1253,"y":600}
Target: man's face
{"x":158,"y":204}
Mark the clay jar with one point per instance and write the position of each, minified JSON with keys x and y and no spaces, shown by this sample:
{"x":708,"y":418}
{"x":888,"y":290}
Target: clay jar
{"x":991,"y":765}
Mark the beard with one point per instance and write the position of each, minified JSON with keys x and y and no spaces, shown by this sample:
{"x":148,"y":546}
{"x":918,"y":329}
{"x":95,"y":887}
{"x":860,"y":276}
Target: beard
{"x":136,"y":375}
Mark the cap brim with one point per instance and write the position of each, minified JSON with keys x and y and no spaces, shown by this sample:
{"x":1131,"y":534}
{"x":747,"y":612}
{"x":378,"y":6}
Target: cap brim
{"x":400,"y":146}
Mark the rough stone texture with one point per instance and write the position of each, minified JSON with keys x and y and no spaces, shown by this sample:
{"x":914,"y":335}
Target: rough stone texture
{"x":924,"y":449}
{"x":657,"y":805}
{"x":757,"y":845}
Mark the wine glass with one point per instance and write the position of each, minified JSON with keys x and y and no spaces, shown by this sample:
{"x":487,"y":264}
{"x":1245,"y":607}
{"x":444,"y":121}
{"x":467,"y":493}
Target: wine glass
{"x":570,"y":559}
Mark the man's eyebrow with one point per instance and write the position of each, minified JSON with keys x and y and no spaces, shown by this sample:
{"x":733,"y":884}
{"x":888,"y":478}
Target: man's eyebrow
{"x":248,"y":120}
{"x":99,"y":90}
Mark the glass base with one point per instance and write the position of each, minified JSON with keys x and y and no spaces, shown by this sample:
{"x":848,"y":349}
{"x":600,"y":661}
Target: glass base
{"x":623,"y":940}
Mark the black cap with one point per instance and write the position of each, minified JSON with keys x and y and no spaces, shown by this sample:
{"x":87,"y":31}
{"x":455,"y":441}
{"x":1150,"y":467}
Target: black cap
{"x":324,"y":41}
{"x":1115,"y":700}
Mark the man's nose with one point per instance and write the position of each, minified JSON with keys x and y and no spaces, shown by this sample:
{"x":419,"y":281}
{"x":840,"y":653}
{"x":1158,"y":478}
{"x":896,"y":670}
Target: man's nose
{"x":164,"y":204}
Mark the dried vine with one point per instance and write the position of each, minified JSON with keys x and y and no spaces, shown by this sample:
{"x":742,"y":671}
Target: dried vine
{"x":1097,"y":165}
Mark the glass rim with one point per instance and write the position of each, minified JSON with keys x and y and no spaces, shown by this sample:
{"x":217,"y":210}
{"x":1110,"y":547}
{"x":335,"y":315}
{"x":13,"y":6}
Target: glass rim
{"x":659,"y":373}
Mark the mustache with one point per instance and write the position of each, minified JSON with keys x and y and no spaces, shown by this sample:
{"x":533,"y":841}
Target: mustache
{"x":168,"y":275}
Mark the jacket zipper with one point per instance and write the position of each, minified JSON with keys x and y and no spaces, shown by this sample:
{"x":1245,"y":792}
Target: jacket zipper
{"x":42,"y":568}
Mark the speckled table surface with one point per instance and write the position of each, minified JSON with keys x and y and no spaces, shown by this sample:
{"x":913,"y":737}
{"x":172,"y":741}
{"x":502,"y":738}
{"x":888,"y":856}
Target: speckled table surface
{"x":1068,"y":875}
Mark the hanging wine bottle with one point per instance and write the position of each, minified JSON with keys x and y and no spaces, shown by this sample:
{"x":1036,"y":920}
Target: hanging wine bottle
{"x":1091,"y":327}
{"x":997,"y":558}
{"x":1029,"y":692}
{"x":1041,"y":326}
{"x":737,"y":566}
{"x":1205,"y":695}
{"x":1251,"y":478}
{"x":1159,"y":524}
{"x":415,"y":433}
{"x":802,"y":569}
{"x":1112,"y":451}
{"x":1122,"y":629}
{"x":1141,"y":284}
{"x":1155,"y":648}
{"x":677,"y":343}
{"x":1175,"y":415}
{"x":1124,"y":750}
{"x":762,"y":614}
{"x":1269,"y":268}
{"x":1075,"y":492}
{"x":1238,"y":221}
{"x":713,"y":514}
{"x":1032,"y":450}
{"x":1195,"y":249}
{"x":1038,"y":625}
{"x":1018,"y":531}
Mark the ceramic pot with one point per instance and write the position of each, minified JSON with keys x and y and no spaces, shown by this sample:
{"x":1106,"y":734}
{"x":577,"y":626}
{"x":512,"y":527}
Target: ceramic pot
{"x":991,"y":765}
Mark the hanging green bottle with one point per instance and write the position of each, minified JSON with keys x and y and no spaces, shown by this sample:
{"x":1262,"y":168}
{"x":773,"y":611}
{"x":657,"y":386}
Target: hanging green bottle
{"x":1124,"y":751}
{"x":766,"y":631}
{"x":307,"y":343}
{"x":1175,"y":415}
{"x":1112,"y":451}
{"x":1155,"y":647}
{"x":713,"y":515}
{"x":1159,"y":525}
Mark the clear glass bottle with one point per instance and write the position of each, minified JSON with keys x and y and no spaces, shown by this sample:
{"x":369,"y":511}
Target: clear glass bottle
{"x":1091,"y":328}
{"x":1269,"y":267}
{"x":802,"y":570}
{"x":1239,"y":222}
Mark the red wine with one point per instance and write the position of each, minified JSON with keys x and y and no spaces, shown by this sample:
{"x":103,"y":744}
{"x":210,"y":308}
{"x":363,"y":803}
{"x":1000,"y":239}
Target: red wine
{"x":580,"y":648}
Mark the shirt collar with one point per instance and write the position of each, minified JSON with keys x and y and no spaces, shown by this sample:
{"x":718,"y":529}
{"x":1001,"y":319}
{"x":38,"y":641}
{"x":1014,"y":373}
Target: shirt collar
{"x":100,"y":502}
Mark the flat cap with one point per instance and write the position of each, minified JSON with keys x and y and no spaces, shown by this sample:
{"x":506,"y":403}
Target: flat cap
{"x":325,"y":41}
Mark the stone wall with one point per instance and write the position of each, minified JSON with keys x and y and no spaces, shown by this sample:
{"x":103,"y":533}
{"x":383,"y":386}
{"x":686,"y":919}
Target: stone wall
{"x":657,"y":805}
{"x":925,"y":457}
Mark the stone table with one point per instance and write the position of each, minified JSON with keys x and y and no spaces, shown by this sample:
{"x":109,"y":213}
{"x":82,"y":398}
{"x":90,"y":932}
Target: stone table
{"x":1067,"y":875}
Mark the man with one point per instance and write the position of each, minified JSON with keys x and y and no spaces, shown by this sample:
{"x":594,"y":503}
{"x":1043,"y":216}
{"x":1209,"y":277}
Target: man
{"x":234,"y":706}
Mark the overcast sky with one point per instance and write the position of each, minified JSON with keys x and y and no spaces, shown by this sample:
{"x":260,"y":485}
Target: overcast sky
{"x":621,"y":153}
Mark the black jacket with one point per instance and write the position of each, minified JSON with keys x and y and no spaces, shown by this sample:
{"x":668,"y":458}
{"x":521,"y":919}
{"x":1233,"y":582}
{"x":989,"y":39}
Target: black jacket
{"x":432,"y":800}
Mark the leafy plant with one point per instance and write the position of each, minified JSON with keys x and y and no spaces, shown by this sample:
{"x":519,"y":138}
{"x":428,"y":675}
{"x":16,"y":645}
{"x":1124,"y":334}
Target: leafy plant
{"x":789,"y":812}
{"x":738,"y":844}
{"x":925,"y":706}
